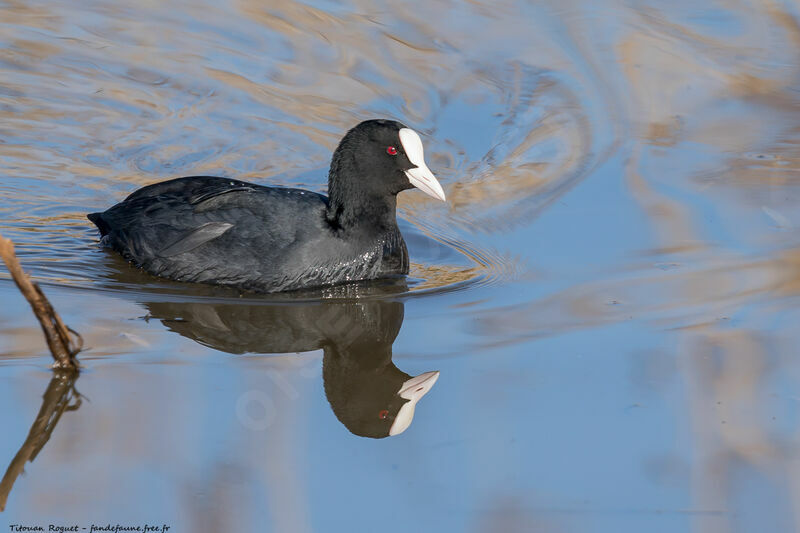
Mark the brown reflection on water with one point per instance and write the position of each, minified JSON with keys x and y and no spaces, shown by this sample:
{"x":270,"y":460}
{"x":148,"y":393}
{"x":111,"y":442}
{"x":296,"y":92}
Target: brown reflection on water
{"x":671,"y":299}
{"x":698,"y":103}
{"x":733,"y":424}
{"x":131,"y":107}
{"x":727,"y":369}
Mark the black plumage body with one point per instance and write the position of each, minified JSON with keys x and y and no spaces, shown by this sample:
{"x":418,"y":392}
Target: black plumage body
{"x":228,"y":232}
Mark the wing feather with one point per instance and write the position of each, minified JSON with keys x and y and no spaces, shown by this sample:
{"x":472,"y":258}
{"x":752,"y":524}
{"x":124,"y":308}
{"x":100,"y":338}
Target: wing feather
{"x":197,"y":237}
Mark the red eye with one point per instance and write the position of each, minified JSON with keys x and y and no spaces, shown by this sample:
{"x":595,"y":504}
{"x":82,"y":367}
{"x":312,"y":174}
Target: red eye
{"x":383,"y":414}
{"x":391,"y":150}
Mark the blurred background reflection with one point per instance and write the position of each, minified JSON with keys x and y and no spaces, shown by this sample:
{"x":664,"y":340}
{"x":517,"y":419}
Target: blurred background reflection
{"x":610,"y":293}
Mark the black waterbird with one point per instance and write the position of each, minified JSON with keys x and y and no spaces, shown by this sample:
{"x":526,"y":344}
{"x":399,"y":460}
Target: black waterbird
{"x":228,"y":232}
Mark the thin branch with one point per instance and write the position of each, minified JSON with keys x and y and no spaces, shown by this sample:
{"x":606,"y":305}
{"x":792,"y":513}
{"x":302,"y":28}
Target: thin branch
{"x":63,"y":346}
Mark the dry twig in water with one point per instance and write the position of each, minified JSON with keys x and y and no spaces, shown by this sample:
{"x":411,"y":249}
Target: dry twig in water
{"x":61,"y":343}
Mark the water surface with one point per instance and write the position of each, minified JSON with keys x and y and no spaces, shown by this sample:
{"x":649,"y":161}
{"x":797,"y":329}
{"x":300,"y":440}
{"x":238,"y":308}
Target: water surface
{"x":610,"y":293}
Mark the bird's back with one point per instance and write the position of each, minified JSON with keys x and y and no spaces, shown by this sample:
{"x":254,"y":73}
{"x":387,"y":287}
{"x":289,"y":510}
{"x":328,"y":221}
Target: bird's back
{"x":216,"y":230}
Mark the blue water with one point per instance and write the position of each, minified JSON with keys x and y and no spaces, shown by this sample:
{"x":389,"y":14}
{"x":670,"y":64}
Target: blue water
{"x":610,"y":293}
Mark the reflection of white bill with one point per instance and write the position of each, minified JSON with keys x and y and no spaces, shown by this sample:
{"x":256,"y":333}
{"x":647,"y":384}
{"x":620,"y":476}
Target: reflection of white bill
{"x":412,"y":390}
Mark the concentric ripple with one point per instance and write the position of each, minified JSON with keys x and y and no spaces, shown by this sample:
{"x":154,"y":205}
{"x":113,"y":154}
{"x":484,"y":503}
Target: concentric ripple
{"x":92,"y":107}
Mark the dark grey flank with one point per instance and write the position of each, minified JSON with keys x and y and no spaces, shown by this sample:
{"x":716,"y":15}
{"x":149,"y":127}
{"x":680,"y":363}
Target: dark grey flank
{"x":228,"y":232}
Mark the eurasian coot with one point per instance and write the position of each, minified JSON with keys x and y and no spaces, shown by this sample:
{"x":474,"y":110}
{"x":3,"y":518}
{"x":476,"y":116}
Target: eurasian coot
{"x":228,"y":232}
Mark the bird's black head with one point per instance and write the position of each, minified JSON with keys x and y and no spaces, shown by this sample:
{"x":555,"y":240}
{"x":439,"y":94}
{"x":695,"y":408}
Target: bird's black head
{"x":373,"y":163}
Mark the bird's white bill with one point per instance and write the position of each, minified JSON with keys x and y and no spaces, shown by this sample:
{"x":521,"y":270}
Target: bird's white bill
{"x":420,"y":177}
{"x":412,"y":390}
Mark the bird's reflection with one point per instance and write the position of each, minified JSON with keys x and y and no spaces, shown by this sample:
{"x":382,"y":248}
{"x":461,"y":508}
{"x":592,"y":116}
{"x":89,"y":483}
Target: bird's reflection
{"x":366,"y":391}
{"x":59,"y":397}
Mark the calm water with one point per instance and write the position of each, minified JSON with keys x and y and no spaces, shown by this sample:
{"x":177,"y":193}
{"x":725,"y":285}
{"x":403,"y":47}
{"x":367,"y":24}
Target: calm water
{"x":611,"y":293}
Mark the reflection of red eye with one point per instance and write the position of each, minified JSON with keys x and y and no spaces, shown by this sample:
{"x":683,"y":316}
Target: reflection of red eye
{"x":383,"y":414}
{"x":391,"y":150}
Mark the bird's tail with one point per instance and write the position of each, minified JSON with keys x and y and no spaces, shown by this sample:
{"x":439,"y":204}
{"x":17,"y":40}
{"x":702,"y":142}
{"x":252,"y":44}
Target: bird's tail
{"x":99,"y":221}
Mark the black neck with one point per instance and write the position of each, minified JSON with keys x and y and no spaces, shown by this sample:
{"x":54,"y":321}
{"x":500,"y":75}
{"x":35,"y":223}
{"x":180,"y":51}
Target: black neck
{"x":371,"y":213}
